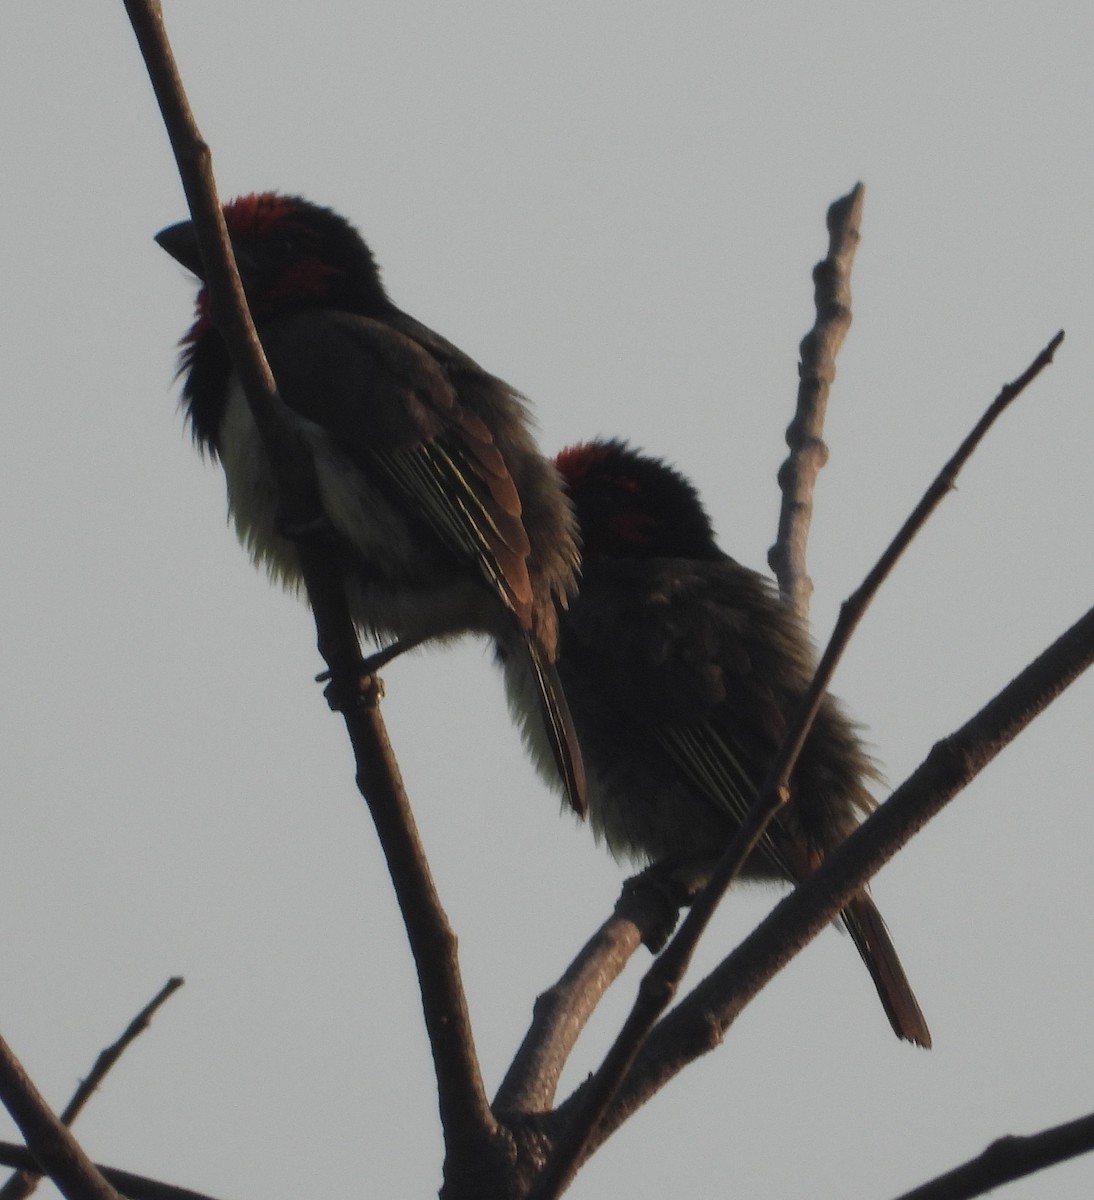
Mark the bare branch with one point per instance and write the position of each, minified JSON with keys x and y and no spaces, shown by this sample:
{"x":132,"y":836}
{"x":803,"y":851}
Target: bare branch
{"x":699,"y":1022}
{"x":663,"y":979}
{"x":562,"y":1011}
{"x":465,"y":1113}
{"x":135,"y":1187}
{"x":55,"y":1150}
{"x":1008,"y":1159}
{"x":112,"y":1053}
{"x":23,"y":1183}
{"x":816,"y":371}
{"x":856,"y":604}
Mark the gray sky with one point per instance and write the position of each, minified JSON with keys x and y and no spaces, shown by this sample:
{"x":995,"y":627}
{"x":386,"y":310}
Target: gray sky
{"x":617,"y":209}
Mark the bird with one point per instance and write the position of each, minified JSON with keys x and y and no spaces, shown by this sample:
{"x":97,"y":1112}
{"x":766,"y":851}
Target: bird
{"x":683,"y":669}
{"x":442,"y":514}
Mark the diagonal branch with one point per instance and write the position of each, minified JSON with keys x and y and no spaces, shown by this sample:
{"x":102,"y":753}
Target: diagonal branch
{"x":856,"y":604}
{"x":562,"y":1011}
{"x":24,"y":1182}
{"x":465,"y":1113}
{"x":53,"y":1147}
{"x":663,"y":979}
{"x":816,"y":371}
{"x":699,"y":1022}
{"x":1008,"y":1159}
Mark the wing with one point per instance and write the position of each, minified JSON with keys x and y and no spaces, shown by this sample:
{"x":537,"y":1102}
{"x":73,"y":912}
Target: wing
{"x":390,"y":406}
{"x":686,"y":651}
{"x":460,"y":484}
{"x":388,"y":400}
{"x":707,"y":759}
{"x":706,"y":660}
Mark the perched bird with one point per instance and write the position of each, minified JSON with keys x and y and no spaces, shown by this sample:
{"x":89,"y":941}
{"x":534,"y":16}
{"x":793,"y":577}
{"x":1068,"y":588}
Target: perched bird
{"x":683,"y":668}
{"x":444,"y":516}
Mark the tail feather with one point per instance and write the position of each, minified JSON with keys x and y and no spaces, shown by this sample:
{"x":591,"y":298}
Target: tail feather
{"x":560,"y":727}
{"x":871,"y":938}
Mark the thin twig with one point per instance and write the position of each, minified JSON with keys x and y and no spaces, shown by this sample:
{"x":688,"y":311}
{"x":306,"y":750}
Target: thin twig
{"x":660,"y":984}
{"x":55,"y":1150}
{"x":856,"y":604}
{"x":1008,"y":1159}
{"x":23,"y":1183}
{"x":465,"y":1113}
{"x":135,"y":1187}
{"x":816,"y":371}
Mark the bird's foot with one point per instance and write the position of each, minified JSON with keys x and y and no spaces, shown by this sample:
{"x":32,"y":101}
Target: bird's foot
{"x":360,"y":688}
{"x":365,"y":686}
{"x":658,"y":884}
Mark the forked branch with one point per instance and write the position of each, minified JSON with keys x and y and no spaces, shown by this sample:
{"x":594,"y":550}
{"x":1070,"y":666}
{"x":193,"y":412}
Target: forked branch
{"x":661,"y":983}
{"x":700,"y":1020}
{"x":24,"y":1182}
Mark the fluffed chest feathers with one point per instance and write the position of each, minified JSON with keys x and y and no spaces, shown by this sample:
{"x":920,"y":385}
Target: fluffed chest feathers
{"x":395,"y":590}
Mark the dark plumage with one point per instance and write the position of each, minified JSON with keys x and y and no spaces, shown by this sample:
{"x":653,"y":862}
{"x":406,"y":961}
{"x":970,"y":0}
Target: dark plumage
{"x":443,"y":514}
{"x":683,"y":668}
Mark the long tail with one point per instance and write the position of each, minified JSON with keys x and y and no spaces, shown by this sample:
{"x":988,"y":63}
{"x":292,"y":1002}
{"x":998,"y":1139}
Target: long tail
{"x":560,"y":726}
{"x":867,"y":929}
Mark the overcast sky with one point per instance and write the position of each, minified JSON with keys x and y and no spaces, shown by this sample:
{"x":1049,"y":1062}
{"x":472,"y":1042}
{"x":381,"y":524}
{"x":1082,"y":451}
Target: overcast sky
{"x":617,"y":209}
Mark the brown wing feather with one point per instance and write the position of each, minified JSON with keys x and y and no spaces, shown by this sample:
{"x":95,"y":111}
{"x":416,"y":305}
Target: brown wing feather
{"x":871,"y":938}
{"x":389,"y":403}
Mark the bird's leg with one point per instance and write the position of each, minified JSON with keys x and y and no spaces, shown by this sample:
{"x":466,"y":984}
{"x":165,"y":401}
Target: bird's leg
{"x":366,"y":685}
{"x":381,"y":658}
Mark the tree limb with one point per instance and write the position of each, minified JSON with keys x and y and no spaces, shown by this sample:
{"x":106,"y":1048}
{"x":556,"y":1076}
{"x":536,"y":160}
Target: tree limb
{"x":465,"y":1113}
{"x":562,"y":1011}
{"x":1008,"y":1159}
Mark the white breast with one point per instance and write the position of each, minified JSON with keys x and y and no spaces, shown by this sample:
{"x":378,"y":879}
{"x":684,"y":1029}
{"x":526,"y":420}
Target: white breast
{"x":394,"y":594}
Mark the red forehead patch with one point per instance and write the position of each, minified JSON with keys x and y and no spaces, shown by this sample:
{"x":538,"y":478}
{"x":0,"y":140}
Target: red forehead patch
{"x":575,"y":462}
{"x":258,"y":212}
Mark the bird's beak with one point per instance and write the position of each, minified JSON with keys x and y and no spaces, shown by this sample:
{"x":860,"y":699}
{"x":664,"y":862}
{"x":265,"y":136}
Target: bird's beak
{"x":179,"y":241}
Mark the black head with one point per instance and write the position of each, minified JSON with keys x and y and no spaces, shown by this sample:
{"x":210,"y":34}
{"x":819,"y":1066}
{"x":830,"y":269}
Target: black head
{"x":291,"y":254}
{"x":630,"y":505}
